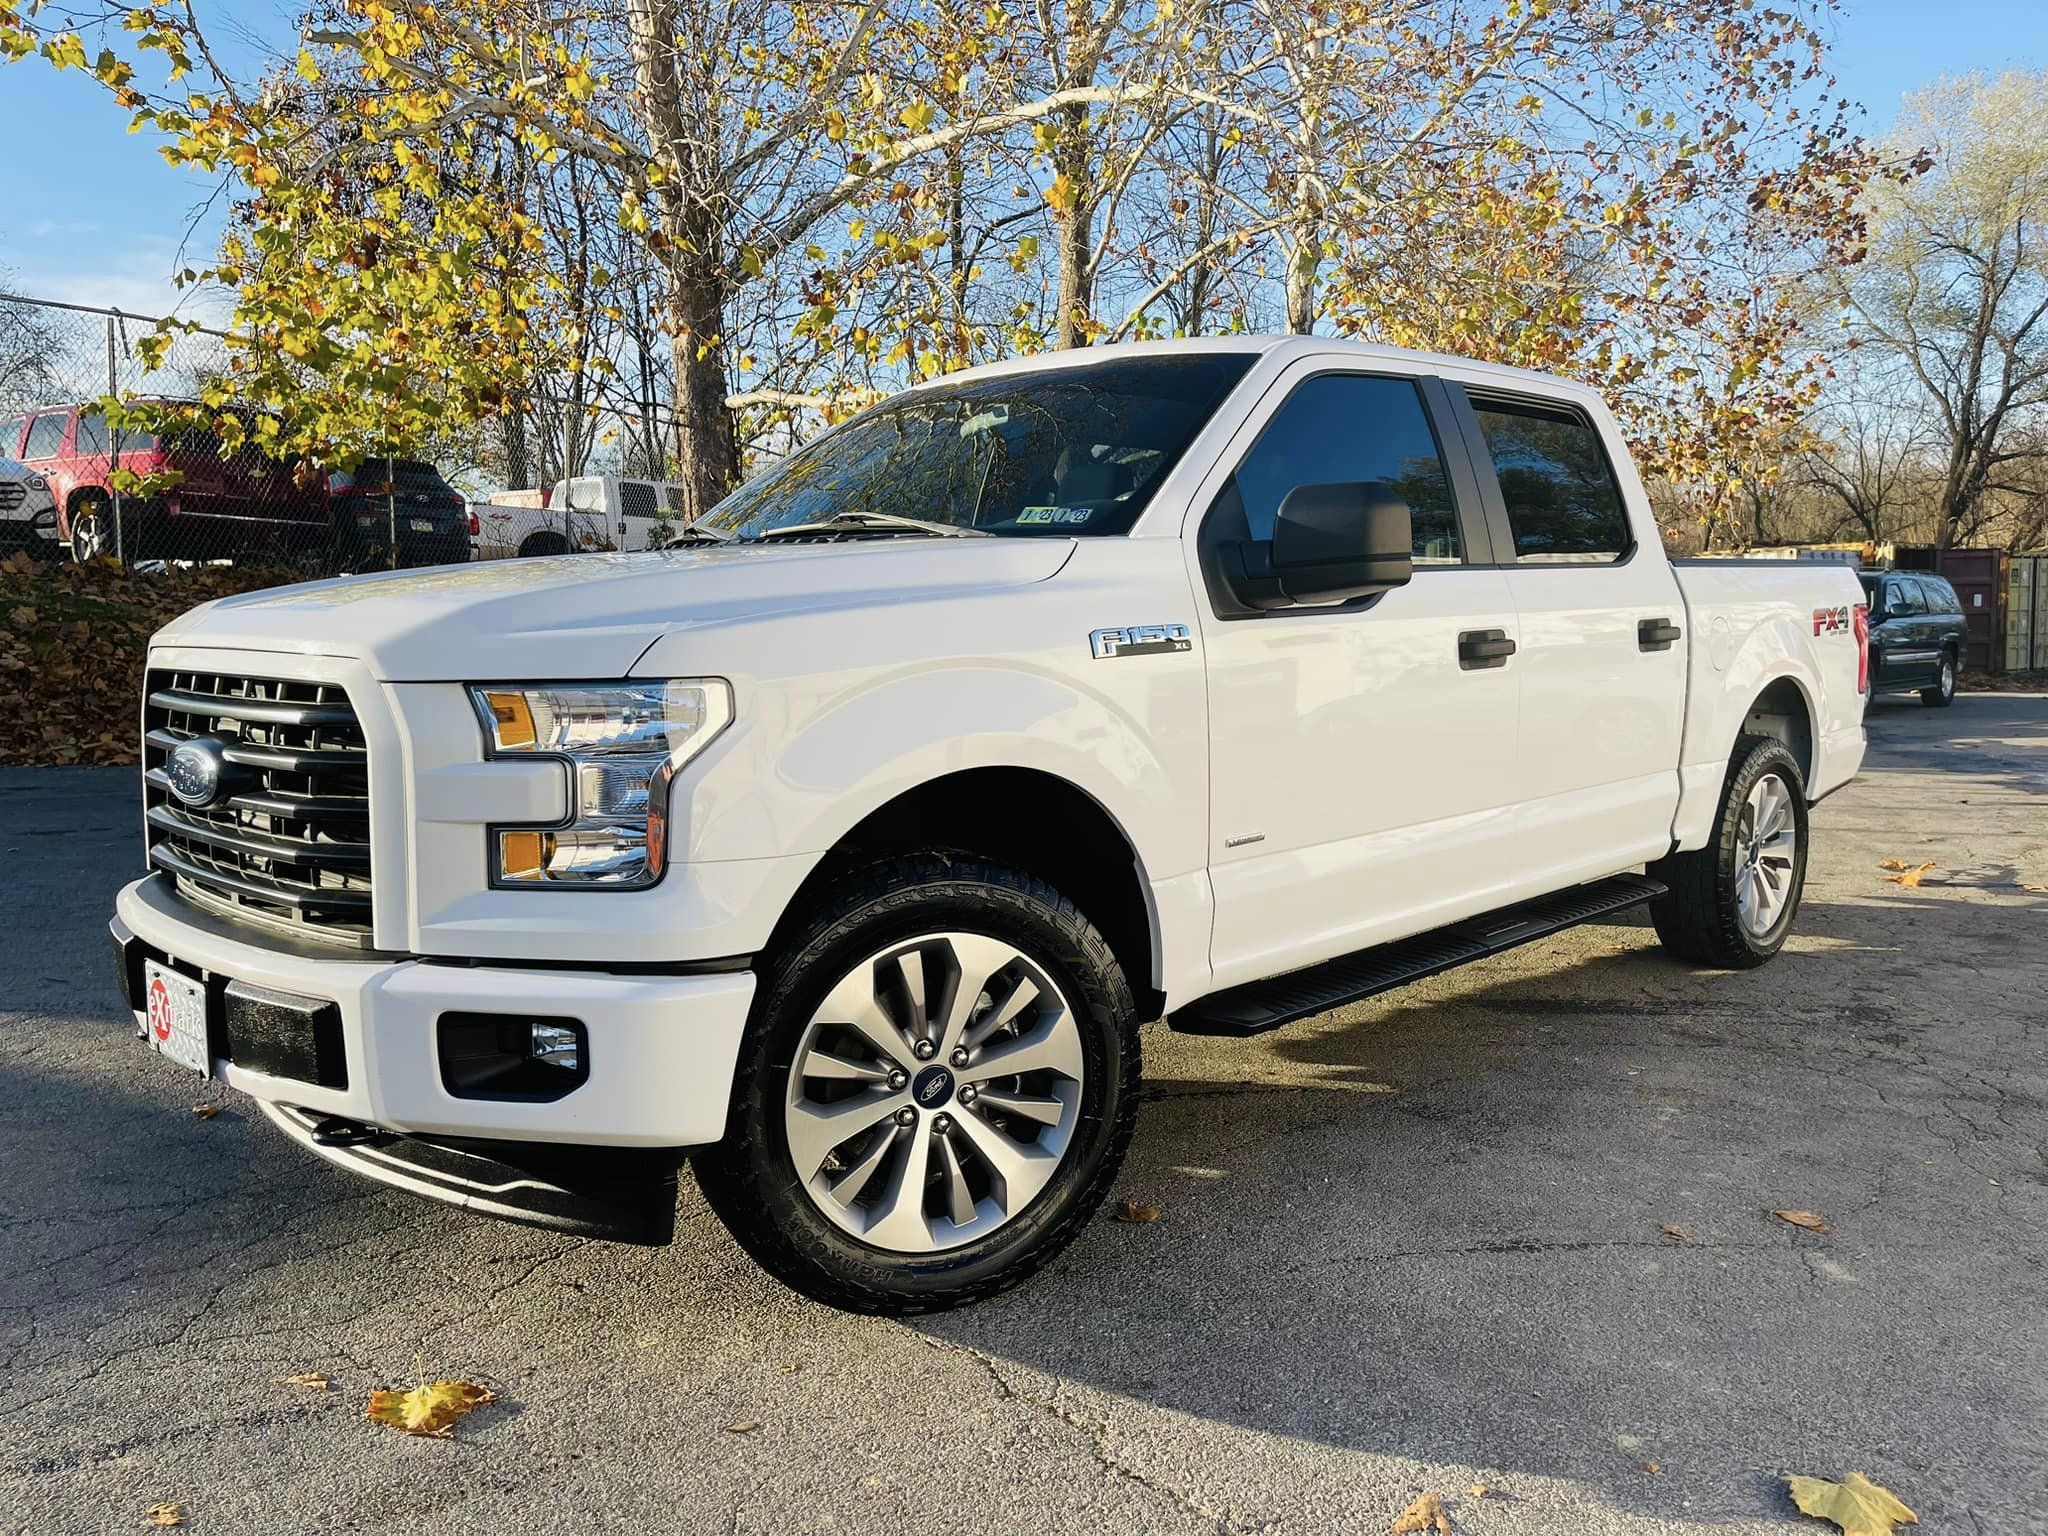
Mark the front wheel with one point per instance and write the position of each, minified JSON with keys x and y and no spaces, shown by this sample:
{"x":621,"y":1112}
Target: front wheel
{"x":1943,"y":693}
{"x":92,"y":530}
{"x":938,"y":1086}
{"x":1731,"y":903}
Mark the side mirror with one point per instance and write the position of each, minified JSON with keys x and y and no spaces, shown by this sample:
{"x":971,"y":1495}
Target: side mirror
{"x":1330,"y":543}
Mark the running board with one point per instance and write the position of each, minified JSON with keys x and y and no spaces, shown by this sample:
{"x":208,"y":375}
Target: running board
{"x":1258,"y":1006}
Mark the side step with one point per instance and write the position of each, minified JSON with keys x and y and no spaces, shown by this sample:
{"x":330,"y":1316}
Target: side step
{"x":1258,"y":1006}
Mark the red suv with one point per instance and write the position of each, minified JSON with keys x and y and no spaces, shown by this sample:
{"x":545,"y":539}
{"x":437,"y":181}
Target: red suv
{"x":226,"y":506}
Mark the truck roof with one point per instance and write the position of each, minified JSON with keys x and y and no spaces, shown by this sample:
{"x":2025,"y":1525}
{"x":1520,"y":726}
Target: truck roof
{"x":1282,"y":347}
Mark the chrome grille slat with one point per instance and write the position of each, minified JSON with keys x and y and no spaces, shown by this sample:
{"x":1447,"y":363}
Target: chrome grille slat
{"x":12,"y":494}
{"x":290,"y":847}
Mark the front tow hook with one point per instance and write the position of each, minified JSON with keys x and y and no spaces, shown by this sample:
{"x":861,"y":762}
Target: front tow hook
{"x":337,"y":1132}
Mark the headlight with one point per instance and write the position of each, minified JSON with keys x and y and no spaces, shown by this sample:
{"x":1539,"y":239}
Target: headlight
{"x":623,"y":742}
{"x":38,"y":483}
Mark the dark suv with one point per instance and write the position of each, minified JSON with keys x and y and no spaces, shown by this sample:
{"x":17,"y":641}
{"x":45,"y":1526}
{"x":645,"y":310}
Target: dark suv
{"x":1917,"y":634}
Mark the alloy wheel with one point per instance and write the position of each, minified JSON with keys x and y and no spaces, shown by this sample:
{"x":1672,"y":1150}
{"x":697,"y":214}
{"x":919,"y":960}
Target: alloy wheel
{"x":934,"y":1093}
{"x":1766,"y":854}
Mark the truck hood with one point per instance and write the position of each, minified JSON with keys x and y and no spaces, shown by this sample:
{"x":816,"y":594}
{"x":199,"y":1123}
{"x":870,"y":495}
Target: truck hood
{"x":591,"y":615}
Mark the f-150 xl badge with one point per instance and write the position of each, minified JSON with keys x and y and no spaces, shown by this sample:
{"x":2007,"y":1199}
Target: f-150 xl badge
{"x":1139,"y":640}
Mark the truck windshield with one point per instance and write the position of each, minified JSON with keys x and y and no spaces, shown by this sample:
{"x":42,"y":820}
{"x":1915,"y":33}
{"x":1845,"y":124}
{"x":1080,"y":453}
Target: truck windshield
{"x":1059,"y":451}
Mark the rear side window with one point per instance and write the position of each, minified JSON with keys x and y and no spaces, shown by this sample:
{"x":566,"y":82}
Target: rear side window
{"x":91,"y":436}
{"x":1941,"y":597}
{"x":46,"y":436}
{"x":1563,"y":502}
{"x":1342,"y":428}
{"x":10,"y":436}
{"x":636,"y":499}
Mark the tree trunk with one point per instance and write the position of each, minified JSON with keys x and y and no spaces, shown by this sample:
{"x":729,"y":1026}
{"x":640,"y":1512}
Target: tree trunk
{"x":1076,"y":230}
{"x":707,"y":448}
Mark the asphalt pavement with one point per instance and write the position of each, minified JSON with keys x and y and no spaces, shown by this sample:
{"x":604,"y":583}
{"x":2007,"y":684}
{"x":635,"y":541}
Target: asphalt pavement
{"x":1415,"y":1245}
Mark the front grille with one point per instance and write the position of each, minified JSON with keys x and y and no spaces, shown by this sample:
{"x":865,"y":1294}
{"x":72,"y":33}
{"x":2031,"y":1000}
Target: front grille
{"x":12,"y":494}
{"x":288,"y":841}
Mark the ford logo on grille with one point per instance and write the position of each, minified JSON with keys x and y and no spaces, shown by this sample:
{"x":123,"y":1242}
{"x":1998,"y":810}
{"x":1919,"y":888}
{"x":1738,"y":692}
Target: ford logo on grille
{"x":196,"y":770}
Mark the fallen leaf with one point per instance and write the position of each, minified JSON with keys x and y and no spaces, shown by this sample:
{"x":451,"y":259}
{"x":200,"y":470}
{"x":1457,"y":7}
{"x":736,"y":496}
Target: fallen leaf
{"x":1478,"y":1491}
{"x":1425,"y":1514}
{"x":317,"y":1380}
{"x":742,"y":1426}
{"x":164,"y":1515}
{"x":1654,"y":1468}
{"x":1891,"y":864}
{"x":1130,"y":1210}
{"x":427,"y":1410}
{"x":1812,"y":1221}
{"x":1676,"y":1233}
{"x":1859,"y":1506}
{"x":205,"y":1111}
{"x":1910,"y":878}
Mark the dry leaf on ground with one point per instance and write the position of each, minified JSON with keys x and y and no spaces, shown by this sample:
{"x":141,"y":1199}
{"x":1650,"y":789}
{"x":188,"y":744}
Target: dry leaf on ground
{"x":1425,"y":1514}
{"x":1131,"y":1210}
{"x":317,"y":1380}
{"x":1676,"y":1233}
{"x":162,"y":1515}
{"x":427,"y":1410}
{"x":1654,"y":1468}
{"x":1906,"y":878}
{"x":1891,"y":864}
{"x":742,"y":1426}
{"x":1478,"y":1491}
{"x":1859,"y":1506}
{"x":1812,"y":1221}
{"x":205,"y":1111}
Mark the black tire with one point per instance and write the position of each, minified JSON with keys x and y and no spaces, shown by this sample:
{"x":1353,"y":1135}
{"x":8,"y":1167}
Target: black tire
{"x":1699,"y":919}
{"x":1943,"y":693}
{"x":538,"y":544}
{"x":750,"y":1179}
{"x":92,"y":529}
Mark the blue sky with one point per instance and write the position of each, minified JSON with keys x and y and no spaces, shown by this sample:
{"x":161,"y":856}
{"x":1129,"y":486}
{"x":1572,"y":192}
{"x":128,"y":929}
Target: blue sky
{"x":92,"y":215}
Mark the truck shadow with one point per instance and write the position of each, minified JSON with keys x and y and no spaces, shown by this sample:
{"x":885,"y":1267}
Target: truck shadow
{"x":1433,"y":1226}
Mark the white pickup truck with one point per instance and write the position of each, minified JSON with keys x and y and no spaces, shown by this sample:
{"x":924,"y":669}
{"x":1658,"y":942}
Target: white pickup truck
{"x":845,"y":846}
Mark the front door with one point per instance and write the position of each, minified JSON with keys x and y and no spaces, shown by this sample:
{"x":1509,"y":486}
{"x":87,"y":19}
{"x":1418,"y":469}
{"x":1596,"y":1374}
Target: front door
{"x":1359,"y":768}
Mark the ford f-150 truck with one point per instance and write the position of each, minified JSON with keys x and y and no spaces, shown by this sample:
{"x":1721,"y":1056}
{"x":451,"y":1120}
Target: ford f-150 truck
{"x":842,"y":847}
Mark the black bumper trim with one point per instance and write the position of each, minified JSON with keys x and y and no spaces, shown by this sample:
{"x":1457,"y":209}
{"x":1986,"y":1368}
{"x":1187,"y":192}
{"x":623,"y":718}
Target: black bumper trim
{"x":623,"y":1194}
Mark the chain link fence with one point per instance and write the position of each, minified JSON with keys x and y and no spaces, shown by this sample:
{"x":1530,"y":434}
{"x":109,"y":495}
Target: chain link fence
{"x":222,"y":505}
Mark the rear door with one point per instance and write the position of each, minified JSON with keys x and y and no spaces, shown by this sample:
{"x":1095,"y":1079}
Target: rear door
{"x":1906,"y":657}
{"x":1359,"y":766}
{"x":1601,"y":650}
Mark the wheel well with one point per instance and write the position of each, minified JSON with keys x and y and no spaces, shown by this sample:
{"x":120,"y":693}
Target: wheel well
{"x":1780,"y":711}
{"x":1027,"y":820}
{"x":546,"y":542}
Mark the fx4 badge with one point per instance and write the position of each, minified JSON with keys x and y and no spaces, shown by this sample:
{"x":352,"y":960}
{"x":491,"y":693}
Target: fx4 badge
{"x":1139,"y":640}
{"x":1828,"y":621}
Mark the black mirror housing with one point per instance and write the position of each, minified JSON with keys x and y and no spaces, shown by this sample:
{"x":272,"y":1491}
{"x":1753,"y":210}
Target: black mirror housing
{"x":1330,"y":544}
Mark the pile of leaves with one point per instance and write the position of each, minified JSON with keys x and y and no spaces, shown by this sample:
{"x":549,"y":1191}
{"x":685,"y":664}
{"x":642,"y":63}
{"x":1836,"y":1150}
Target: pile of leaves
{"x":73,"y":641}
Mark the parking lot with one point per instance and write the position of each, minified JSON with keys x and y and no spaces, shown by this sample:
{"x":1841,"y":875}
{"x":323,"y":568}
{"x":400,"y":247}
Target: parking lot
{"x":1415,"y":1245}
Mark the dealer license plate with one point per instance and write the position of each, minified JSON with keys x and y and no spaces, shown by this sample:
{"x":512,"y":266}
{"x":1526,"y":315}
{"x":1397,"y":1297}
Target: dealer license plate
{"x":174,"y":1020}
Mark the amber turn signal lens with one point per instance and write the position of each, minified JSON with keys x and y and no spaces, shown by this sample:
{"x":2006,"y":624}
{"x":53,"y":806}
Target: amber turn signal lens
{"x":515,"y":719}
{"x":520,"y":854}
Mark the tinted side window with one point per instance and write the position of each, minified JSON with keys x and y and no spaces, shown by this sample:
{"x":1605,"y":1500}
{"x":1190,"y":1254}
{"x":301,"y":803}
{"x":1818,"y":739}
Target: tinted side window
{"x":1341,"y":428}
{"x":10,"y":436}
{"x":45,"y":436}
{"x":636,"y":499}
{"x":1905,"y":597}
{"x":1941,"y":597}
{"x":91,"y":436}
{"x":1562,"y":499}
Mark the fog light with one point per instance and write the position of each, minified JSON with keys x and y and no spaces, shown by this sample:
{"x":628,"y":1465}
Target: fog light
{"x":508,"y":1056}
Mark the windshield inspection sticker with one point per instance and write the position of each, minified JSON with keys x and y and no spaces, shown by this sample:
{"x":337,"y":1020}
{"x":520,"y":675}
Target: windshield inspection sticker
{"x":1139,"y":640}
{"x":1070,"y":516}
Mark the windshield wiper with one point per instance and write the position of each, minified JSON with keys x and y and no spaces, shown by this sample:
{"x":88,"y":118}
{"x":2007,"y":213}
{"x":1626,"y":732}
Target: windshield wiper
{"x":884,"y":524}
{"x":696,"y":533}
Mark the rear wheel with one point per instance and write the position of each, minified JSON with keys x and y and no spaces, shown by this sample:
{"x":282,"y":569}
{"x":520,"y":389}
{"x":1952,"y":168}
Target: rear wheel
{"x":938,"y":1086}
{"x":536,"y":544}
{"x":1943,"y":693}
{"x":1732,"y":902}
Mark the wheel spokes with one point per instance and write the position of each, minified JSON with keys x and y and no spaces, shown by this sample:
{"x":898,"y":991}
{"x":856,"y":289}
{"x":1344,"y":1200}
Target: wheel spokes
{"x":854,"y":1004}
{"x":1021,"y":1171}
{"x":1046,"y":1111}
{"x":973,"y":963}
{"x":959,"y":1197}
{"x":899,"y":1219}
{"x":1052,"y":1044}
{"x":817,"y":1130}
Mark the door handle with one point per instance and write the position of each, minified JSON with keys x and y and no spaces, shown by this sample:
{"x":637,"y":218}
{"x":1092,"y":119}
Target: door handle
{"x":1656,"y":634}
{"x":1478,"y":648}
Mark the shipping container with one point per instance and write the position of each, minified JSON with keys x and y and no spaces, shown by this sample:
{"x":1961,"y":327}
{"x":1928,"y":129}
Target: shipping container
{"x":2026,"y":613}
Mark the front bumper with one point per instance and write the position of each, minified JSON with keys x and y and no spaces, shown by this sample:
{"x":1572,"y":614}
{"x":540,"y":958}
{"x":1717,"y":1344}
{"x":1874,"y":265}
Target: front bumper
{"x":661,"y":1048}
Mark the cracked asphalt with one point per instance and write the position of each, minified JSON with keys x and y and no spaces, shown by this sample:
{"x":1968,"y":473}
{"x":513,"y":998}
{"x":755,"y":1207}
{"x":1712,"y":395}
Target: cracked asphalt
{"x":1412,"y":1245}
